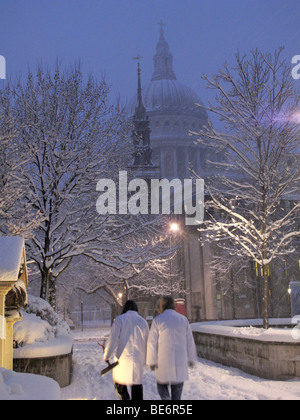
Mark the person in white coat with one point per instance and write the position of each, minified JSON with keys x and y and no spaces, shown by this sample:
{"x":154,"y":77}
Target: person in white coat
{"x":171,"y":350}
{"x":128,"y":340}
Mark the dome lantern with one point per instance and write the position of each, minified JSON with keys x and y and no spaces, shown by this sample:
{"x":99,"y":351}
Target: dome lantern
{"x":163,"y":59}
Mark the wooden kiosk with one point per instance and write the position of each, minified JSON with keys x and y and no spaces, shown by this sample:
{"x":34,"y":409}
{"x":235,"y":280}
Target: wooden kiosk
{"x":13,"y":272}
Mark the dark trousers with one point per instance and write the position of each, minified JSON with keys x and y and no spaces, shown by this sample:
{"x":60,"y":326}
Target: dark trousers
{"x":176,"y":391}
{"x":136,"y":392}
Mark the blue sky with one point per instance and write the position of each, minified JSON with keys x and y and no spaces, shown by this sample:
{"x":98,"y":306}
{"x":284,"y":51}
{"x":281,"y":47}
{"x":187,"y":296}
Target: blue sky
{"x":106,"y":34}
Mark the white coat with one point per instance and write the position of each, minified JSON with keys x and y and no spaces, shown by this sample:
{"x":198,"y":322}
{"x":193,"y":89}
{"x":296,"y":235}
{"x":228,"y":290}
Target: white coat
{"x":128,"y":340}
{"x":171,"y":347}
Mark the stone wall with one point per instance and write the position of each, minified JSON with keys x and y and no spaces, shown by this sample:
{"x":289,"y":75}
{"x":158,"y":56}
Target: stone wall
{"x":58,"y":368}
{"x":266,"y":359}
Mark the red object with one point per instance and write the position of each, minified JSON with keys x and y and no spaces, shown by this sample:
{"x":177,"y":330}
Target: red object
{"x":180,"y":306}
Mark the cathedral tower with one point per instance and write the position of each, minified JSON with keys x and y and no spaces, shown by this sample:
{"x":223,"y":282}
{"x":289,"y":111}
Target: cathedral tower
{"x":173,"y":112}
{"x":142,"y":155}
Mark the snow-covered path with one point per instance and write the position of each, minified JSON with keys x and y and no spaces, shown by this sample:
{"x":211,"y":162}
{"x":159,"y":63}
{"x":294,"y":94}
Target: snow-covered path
{"x":208,"y":381}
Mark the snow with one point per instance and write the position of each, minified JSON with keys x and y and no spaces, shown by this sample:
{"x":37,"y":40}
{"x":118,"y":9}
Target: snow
{"x":250,"y":329}
{"x":11,"y":248}
{"x":208,"y":380}
{"x":56,"y":346}
{"x":32,"y":328}
{"x":42,"y":309}
{"x":24,"y":386}
{"x":46,"y":335}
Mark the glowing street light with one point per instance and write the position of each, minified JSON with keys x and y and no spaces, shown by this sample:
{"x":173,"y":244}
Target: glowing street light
{"x":174,"y":227}
{"x":296,"y":116}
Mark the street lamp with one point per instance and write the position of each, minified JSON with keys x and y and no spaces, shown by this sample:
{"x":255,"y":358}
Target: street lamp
{"x":174,"y":227}
{"x":296,"y":117}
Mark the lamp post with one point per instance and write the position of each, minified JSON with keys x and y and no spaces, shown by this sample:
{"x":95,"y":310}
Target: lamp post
{"x":81,"y":315}
{"x":174,"y":229}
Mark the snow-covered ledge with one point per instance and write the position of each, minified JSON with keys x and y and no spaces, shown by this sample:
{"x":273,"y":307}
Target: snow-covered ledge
{"x":281,"y":332}
{"x":271,"y":354}
{"x":58,"y":346}
{"x":43,"y":348}
{"x":52,"y":358}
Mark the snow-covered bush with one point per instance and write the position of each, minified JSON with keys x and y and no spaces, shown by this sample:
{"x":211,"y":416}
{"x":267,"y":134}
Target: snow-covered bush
{"x":40,"y":323}
{"x":42,"y":309}
{"x":31,"y":329}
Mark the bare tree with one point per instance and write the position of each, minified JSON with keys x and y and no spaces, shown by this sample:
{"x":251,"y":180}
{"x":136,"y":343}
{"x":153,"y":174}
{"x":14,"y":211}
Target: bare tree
{"x":16,"y":217}
{"x":71,"y":137}
{"x":254,"y":202}
{"x":141,"y":261}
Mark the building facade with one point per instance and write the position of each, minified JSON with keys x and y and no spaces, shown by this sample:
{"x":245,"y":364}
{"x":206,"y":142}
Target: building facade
{"x":174,"y":111}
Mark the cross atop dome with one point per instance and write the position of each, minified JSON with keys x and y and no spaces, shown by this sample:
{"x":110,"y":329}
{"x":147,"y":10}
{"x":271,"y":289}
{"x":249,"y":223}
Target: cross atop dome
{"x":161,"y":24}
{"x":138,"y":58}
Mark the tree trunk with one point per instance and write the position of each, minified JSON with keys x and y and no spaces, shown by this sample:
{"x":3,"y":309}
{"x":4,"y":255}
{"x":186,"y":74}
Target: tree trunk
{"x":44,"y":285}
{"x":52,"y":292}
{"x":48,"y":288}
{"x":265,"y":297}
{"x":264,"y":257}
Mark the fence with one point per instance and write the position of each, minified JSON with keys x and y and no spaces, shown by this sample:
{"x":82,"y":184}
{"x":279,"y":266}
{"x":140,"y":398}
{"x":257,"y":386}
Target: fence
{"x":91,"y":318}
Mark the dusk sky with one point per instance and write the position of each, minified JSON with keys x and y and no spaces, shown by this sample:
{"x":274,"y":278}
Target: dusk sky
{"x":106,"y":34}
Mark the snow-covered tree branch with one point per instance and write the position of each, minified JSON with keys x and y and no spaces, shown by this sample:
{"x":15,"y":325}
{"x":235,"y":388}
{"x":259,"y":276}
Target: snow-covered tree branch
{"x":71,"y":137}
{"x":254,"y":205}
{"x":143,"y":261}
{"x":17,"y":217}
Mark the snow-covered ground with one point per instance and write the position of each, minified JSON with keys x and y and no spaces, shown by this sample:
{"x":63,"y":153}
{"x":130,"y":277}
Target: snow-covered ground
{"x":208,"y":380}
{"x":24,"y":386}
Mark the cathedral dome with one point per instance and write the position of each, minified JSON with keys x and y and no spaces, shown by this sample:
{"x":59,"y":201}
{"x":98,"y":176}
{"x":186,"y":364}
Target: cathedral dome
{"x":164,"y":94}
{"x":173,"y":112}
{"x":169,"y":95}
